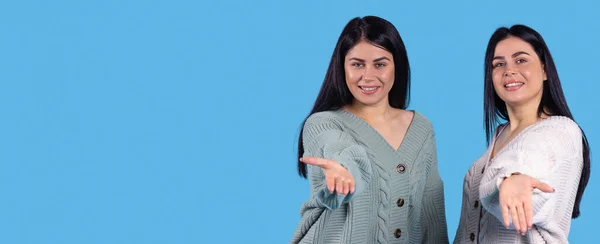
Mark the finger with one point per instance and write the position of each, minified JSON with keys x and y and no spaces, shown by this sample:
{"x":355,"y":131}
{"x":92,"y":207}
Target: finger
{"x":330,"y":183}
{"x":515,"y":217}
{"x":352,"y":186}
{"x":505,"y":214}
{"x":346,"y":187}
{"x":528,"y":209}
{"x":522,"y":221}
{"x":543,"y":187}
{"x":321,"y":162}
{"x":339,"y":186}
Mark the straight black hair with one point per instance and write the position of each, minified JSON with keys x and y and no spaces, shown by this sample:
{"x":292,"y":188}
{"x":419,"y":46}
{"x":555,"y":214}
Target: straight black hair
{"x":334,"y":93}
{"x":553,"y":100}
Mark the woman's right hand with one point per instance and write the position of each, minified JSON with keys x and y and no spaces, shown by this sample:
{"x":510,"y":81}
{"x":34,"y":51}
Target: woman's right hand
{"x":337,"y":177}
{"x":516,"y":200}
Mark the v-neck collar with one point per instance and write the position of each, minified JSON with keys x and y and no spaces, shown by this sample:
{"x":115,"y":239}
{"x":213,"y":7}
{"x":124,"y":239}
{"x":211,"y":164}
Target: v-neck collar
{"x":379,"y":138}
{"x":520,"y":134}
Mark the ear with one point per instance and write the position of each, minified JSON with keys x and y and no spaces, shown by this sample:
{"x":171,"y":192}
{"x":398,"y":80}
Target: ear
{"x":544,"y":71}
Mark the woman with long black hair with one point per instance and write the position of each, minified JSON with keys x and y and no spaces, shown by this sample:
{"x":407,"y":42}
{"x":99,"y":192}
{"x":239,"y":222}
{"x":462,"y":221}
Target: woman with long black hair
{"x":371,"y":164}
{"x":529,"y":183}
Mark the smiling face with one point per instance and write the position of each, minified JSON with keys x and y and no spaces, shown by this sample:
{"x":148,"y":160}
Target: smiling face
{"x":517,"y":72}
{"x":369,"y":73}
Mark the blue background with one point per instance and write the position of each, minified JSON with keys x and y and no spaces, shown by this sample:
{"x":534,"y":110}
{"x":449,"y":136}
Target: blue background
{"x":177,"y":121}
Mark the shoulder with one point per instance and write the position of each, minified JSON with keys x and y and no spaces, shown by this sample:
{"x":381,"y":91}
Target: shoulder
{"x":558,"y":126}
{"x":562,"y":122}
{"x":556,"y":133}
{"x":422,"y":122}
{"x":324,"y":117}
{"x":326,"y":127}
{"x":320,"y":122}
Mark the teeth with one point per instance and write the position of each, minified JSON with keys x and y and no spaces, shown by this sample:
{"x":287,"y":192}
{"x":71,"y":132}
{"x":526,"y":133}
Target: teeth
{"x":514,"y":84}
{"x":369,"y":88}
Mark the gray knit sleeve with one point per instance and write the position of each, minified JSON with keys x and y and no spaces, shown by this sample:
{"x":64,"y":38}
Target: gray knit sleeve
{"x":324,"y":137}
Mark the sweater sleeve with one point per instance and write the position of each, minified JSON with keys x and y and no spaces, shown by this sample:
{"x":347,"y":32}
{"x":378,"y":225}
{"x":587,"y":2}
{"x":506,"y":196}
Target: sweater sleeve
{"x":323,"y":137}
{"x":538,"y":153}
{"x":433,"y":215}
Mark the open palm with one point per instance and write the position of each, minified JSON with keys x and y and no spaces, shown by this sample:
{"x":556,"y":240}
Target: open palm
{"x":337,"y":177}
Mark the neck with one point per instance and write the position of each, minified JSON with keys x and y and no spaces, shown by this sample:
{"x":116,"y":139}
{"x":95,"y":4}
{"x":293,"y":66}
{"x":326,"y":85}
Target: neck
{"x":523,"y":115}
{"x":377,"y":112}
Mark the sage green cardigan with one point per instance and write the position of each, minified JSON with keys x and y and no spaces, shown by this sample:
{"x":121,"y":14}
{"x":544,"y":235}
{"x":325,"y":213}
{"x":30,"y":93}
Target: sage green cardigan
{"x":399,"y":196}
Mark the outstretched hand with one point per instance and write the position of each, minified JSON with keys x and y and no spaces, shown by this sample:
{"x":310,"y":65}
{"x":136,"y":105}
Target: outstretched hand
{"x":337,"y":177}
{"x":516,"y":200}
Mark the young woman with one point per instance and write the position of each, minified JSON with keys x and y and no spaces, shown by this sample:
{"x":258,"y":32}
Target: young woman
{"x":504,"y":199}
{"x":371,"y":164}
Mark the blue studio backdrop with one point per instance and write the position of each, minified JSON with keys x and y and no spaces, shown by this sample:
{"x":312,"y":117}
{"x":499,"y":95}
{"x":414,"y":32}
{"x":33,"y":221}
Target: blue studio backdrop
{"x":177,"y":121}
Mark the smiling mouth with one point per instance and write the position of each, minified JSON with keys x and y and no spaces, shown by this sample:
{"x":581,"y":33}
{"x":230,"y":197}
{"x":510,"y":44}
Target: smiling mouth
{"x":368,"y":89}
{"x":512,"y":86}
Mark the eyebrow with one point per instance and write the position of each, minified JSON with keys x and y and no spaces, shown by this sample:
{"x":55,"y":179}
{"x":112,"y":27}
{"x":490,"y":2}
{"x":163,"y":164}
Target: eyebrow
{"x":514,"y":55}
{"x":376,"y":60}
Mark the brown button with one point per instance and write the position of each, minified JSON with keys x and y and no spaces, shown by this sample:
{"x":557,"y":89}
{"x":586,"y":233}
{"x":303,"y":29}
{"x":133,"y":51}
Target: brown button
{"x":476,"y":204}
{"x":400,"y":202}
{"x":472,"y":236}
{"x":397,"y":233}
{"x":401,"y":168}
{"x":482,"y":169}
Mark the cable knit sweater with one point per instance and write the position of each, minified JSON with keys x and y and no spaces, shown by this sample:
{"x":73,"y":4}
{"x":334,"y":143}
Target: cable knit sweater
{"x":551,"y":151}
{"x":398,"y":196}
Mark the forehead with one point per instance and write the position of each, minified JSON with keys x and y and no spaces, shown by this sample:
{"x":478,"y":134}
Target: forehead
{"x":366,"y":50}
{"x":511,"y":45}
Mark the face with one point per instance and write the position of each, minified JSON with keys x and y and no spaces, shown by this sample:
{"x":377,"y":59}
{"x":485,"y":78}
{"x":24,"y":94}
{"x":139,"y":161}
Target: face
{"x":369,"y":73}
{"x":517,"y":72}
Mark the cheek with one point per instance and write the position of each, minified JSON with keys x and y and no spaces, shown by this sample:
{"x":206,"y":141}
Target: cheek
{"x":497,"y":79}
{"x":351,"y":76}
{"x":539,"y":75}
{"x":536,"y":77}
{"x":388,"y":75}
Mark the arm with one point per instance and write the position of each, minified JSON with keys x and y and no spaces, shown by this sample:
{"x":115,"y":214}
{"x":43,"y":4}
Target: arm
{"x":537,"y":155}
{"x":433,"y":216}
{"x":323,"y":137}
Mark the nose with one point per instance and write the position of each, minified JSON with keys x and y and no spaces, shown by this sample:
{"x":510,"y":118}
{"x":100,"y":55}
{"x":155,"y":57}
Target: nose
{"x":510,"y":70}
{"x":369,"y":73}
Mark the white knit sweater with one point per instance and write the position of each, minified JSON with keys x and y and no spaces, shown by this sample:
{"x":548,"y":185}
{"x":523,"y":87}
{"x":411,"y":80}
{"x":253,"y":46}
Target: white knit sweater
{"x":551,"y":151}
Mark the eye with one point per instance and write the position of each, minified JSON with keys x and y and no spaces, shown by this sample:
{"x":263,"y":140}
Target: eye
{"x":499,"y":64}
{"x":380,"y":65}
{"x":357,"y":65}
{"x":521,"y":60}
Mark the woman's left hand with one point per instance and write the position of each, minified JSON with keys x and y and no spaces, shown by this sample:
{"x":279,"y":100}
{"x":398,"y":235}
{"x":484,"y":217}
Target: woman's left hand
{"x":516,"y":200}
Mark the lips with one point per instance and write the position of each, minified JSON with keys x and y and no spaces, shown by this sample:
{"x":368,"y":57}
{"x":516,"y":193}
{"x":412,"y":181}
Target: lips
{"x":368,"y":89}
{"x":513,"y":85}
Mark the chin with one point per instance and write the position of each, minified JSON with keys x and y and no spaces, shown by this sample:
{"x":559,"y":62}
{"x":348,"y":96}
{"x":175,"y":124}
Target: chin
{"x":515,"y":100}
{"x":369,"y":102}
{"x":511,"y":100}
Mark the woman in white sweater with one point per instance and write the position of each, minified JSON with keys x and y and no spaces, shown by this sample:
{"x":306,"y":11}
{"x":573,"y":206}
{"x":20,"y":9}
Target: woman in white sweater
{"x":528,"y":185}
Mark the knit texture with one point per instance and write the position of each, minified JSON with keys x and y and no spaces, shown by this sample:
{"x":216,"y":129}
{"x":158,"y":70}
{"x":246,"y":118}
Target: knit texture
{"x":399,"y":194}
{"x":551,"y":151}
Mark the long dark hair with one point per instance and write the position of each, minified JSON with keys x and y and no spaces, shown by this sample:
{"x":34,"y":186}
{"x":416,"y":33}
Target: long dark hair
{"x":334,"y":93}
{"x":553,"y":100}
